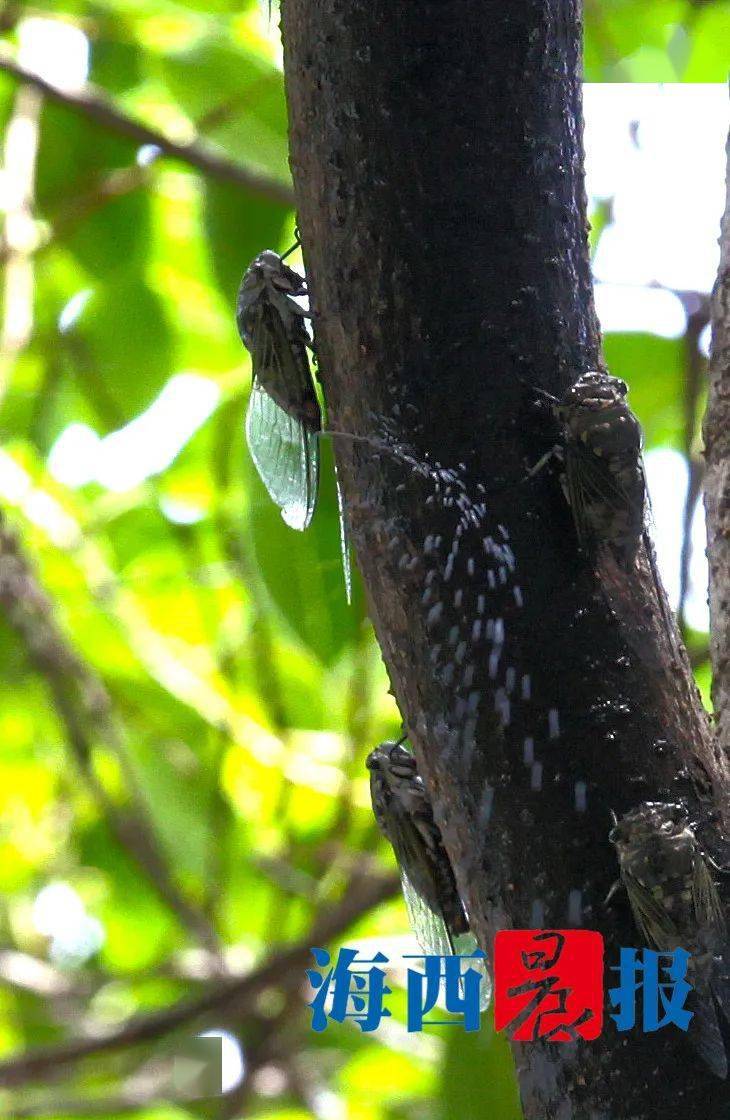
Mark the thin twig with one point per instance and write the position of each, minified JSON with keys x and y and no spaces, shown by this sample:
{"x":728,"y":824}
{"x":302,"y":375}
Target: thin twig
{"x":77,"y":1106}
{"x":227,"y":997}
{"x":697,"y":308}
{"x":88,"y":198}
{"x":96,"y":107}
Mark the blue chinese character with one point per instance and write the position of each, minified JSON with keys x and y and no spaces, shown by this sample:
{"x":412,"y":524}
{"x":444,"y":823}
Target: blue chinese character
{"x":663,"y":999}
{"x":461,"y":990}
{"x":361,"y":989}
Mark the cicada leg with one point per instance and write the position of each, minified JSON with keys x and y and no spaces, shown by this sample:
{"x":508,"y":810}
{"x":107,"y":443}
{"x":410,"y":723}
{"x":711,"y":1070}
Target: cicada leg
{"x":556,"y":452}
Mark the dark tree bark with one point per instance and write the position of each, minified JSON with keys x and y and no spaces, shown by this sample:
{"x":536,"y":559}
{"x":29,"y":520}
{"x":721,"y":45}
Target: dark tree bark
{"x":717,"y":482}
{"x":437,"y":159}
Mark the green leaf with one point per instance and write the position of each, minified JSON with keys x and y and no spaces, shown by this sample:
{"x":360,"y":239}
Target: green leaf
{"x":653,"y":369}
{"x":121,"y":350}
{"x":238,"y":226}
{"x":675,"y":40}
{"x":235,"y":97}
{"x":139,"y":936}
{"x":494,"y":1092}
{"x":708,"y":55}
{"x":109,"y":233}
{"x":117,"y":61}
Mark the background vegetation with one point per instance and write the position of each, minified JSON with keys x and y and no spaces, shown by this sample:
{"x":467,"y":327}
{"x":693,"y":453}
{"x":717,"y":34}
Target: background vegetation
{"x":186,"y":700}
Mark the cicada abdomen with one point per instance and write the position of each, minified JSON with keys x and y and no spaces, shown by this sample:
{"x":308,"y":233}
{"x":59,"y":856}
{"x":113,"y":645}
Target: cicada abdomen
{"x":405,"y":817}
{"x":675,"y":904}
{"x":284,"y":419}
{"x":604,"y":473}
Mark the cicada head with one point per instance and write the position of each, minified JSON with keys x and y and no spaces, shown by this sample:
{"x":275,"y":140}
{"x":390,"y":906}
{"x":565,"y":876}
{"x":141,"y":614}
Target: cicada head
{"x":266,"y":279}
{"x":272,"y":270}
{"x":395,"y":784}
{"x":595,"y":412}
{"x":653,"y":825}
{"x":392,"y":758}
{"x":595,"y":391}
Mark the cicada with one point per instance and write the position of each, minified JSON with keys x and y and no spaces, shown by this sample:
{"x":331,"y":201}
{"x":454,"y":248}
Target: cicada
{"x":675,"y":904}
{"x":405,"y":817}
{"x":284,"y":419}
{"x":603,"y":479}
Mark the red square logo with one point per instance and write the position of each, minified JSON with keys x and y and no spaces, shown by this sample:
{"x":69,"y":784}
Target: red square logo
{"x":548,"y":984}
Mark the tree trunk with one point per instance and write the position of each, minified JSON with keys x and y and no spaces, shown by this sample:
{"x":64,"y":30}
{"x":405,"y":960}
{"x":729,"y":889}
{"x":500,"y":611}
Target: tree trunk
{"x":438,"y":168}
{"x":717,"y":482}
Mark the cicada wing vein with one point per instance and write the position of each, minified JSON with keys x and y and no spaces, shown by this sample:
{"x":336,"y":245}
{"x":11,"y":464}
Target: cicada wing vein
{"x":286,"y":456}
{"x":429,"y":928}
{"x":705,"y":1033}
{"x":650,"y":916}
{"x":590,"y":482}
{"x":344,"y":540}
{"x":435,"y":938}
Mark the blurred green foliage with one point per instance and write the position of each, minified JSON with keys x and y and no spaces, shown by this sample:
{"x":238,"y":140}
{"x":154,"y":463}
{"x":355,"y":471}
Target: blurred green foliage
{"x":246,"y":691}
{"x":666,"y":41}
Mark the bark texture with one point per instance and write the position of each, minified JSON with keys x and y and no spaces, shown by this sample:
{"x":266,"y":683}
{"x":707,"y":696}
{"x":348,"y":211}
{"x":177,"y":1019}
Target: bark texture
{"x":437,"y":159}
{"x":717,"y":483}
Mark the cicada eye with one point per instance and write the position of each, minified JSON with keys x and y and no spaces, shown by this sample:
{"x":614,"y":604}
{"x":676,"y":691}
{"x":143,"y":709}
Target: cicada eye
{"x":399,"y":753}
{"x":622,"y":387}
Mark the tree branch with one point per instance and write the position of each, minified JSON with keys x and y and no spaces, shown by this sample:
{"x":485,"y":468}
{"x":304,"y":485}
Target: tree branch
{"x":228,"y":997}
{"x":697,"y":308}
{"x":717,"y":483}
{"x":437,"y":164}
{"x":90,"y":196}
{"x":98,"y":108}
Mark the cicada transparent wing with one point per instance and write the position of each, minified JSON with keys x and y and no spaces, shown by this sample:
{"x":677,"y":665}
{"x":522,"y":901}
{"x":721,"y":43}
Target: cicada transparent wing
{"x":598,"y":497}
{"x":286,"y":456}
{"x":344,"y":540}
{"x":429,"y":928}
{"x":436,"y":939}
{"x":660,"y":932}
{"x":708,"y":908}
{"x":705,"y":1034}
{"x":705,"y":898}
